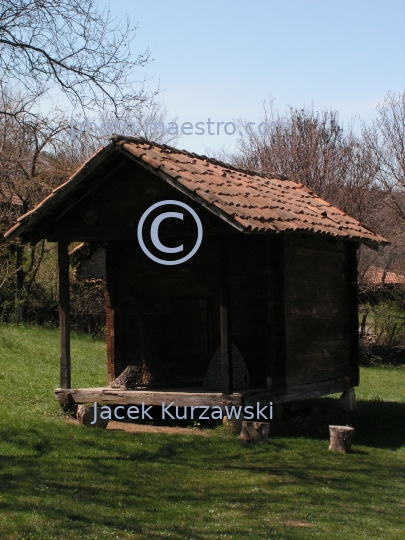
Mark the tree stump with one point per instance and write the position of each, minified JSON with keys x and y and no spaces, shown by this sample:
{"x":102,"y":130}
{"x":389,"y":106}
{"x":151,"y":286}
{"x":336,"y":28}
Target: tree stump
{"x":254,"y":432}
{"x":341,"y":438}
{"x":85,"y":415}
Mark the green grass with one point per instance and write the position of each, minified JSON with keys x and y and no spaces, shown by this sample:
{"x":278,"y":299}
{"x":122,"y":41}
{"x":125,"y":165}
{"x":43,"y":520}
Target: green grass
{"x":59,"y":481}
{"x":383,"y":384}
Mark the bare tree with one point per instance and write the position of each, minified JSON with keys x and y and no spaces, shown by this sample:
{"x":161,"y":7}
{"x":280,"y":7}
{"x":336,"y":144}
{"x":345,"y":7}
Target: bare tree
{"x":74,"y":46}
{"x":386,"y":140}
{"x":304,"y":145}
{"x":27,"y":173}
{"x":314,"y":149}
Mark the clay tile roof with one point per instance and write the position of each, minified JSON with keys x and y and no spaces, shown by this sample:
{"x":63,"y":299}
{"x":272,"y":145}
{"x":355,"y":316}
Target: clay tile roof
{"x":247,"y":200}
{"x":253,"y":201}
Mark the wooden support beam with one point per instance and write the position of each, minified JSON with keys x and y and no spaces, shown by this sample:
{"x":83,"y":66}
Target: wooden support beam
{"x":64,"y":316}
{"x":225,"y":320}
{"x":352,"y":290}
{"x":148,"y":397}
{"x":115,"y":317}
{"x":187,"y":397}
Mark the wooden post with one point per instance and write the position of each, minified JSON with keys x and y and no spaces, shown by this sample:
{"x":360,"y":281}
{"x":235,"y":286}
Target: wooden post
{"x":353,"y":308}
{"x":19,"y":282}
{"x":347,"y":401}
{"x":112,"y":261}
{"x":64,"y":317}
{"x":363,"y":326}
{"x":225,"y":321}
{"x":110,"y":338}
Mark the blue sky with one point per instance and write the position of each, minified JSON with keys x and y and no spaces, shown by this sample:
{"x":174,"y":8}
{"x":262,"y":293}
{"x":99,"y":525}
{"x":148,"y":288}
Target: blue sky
{"x":220,"y":59}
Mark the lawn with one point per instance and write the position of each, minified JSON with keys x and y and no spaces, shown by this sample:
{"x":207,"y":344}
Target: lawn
{"x":60,"y":481}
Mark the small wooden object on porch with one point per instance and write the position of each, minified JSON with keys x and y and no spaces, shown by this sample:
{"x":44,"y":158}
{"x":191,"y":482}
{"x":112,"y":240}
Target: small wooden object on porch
{"x":85,"y":416}
{"x":254,"y":432}
{"x":341,"y":438}
{"x":232,"y":424}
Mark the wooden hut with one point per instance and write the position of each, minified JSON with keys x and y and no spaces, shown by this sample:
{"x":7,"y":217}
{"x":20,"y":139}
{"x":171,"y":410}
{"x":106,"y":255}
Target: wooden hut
{"x":265,"y":309}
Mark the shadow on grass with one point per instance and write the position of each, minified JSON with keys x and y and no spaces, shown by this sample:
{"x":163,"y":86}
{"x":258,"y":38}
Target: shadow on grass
{"x":141,"y":485}
{"x":378,"y":424}
{"x":87,"y":480}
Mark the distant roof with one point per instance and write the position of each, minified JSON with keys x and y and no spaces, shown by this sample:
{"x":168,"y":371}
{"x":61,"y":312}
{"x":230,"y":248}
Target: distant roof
{"x":378,"y":276}
{"x":8,"y":196}
{"x":248,"y":200}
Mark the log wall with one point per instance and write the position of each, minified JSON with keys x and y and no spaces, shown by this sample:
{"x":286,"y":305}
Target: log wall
{"x":319,"y":327}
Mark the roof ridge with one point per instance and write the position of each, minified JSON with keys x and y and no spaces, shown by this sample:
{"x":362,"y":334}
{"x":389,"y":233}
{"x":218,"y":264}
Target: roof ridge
{"x":268,"y":174}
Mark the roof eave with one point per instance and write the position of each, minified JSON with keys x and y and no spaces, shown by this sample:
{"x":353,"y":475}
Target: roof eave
{"x":32,"y":219}
{"x":32,"y":225}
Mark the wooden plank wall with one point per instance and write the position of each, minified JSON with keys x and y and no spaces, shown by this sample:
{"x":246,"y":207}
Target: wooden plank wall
{"x":225,"y":317}
{"x":318,"y":327}
{"x":248,"y":293}
{"x":276,"y":365}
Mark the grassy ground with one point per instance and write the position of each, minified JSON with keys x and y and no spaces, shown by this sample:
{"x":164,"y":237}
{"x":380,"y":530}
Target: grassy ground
{"x":59,"y":481}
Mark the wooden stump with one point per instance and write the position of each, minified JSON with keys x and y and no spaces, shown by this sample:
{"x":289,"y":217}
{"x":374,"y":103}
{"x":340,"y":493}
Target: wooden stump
{"x":85,"y":415}
{"x":254,"y":432}
{"x":341,"y":438}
